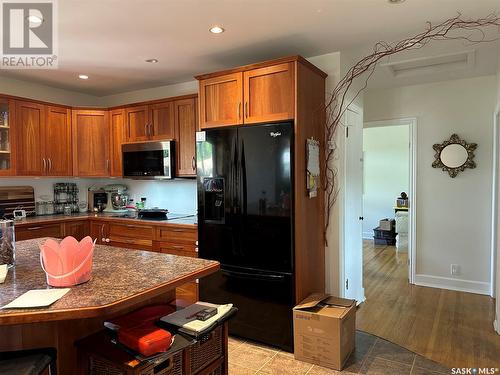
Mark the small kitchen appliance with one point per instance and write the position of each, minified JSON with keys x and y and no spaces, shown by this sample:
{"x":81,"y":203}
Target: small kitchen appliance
{"x":97,"y":200}
{"x":117,"y":198}
{"x":148,"y":160}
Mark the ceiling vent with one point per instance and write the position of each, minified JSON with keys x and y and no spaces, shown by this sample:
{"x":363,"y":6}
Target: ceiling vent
{"x":435,"y":64}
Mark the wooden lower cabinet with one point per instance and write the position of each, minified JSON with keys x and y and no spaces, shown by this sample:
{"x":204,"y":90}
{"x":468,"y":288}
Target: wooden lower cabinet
{"x":78,"y":229}
{"x":29,"y":232}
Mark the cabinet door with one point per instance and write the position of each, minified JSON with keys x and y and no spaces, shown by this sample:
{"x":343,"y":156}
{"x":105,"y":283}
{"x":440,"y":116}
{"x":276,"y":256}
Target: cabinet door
{"x":77,"y":229}
{"x":185,"y":135}
{"x":137,"y":123}
{"x":56,"y":138}
{"x":98,"y":232}
{"x":221,"y":101}
{"x":91,"y":143}
{"x":269,"y":94}
{"x":7,"y":137}
{"x":162,"y":120}
{"x":29,"y":121}
{"x":117,"y":135}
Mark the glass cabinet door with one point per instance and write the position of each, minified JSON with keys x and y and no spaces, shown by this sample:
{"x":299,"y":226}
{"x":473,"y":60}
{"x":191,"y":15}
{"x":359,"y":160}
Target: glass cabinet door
{"x":6,"y":137}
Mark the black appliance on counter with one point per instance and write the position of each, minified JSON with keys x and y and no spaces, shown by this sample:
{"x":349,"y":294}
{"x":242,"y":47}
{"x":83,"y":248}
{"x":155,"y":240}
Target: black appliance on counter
{"x":245,"y":221}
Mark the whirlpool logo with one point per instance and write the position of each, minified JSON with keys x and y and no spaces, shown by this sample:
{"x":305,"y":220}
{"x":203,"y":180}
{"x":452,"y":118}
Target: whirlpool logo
{"x":275,"y":134}
{"x":29,"y":37}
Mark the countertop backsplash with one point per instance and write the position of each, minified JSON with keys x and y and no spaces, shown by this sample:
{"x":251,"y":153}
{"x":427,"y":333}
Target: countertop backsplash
{"x":178,"y":196}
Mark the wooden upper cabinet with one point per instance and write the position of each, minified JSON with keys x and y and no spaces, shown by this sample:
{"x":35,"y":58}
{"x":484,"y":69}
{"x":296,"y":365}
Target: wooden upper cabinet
{"x":162,"y":121}
{"x":185,"y":135}
{"x":221,"y":101}
{"x":91,"y":157}
{"x":56,"y":142}
{"x":117,"y":138}
{"x":269,"y":93}
{"x":7,"y":137}
{"x":137,"y":123}
{"x":29,"y":122}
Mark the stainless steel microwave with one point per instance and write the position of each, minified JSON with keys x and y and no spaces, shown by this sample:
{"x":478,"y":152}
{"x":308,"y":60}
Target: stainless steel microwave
{"x":148,"y":160}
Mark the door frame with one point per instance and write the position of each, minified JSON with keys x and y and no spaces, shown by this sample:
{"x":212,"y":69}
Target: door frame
{"x":495,"y":219}
{"x":342,"y":214}
{"x":412,"y":212}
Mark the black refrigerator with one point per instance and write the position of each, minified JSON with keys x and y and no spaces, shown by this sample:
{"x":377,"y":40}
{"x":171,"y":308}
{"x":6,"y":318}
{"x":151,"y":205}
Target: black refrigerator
{"x":245,"y":221}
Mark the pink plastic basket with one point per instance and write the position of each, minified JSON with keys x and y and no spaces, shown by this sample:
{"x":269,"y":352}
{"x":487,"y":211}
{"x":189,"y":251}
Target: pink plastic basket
{"x":68,"y":262}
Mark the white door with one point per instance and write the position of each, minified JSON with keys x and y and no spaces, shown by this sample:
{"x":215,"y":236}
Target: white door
{"x":353,"y":207}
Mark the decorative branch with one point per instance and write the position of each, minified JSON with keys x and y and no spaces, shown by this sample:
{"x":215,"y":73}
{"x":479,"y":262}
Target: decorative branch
{"x":457,"y":28}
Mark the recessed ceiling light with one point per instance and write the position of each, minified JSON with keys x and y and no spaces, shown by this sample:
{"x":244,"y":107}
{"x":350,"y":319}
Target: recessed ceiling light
{"x":216,"y":29}
{"x":152,"y":61}
{"x":396,"y":1}
{"x":35,"y":19}
{"x":83,"y":76}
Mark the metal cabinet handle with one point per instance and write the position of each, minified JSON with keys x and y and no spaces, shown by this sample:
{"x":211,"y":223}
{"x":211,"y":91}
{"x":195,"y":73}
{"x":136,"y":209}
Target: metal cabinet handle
{"x":177,"y":246}
{"x":44,"y":165}
{"x":102,"y":234}
{"x":107,"y":240}
{"x":196,"y":249}
{"x":50,"y":164}
{"x":246,"y":109}
{"x":34,"y":228}
{"x":146,"y":129}
{"x":193,"y":163}
{"x":150,"y":130}
{"x":107,"y":165}
{"x":239,"y":111}
{"x":196,"y":242}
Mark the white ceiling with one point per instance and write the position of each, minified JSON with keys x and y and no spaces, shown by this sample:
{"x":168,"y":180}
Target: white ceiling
{"x":110,"y":39}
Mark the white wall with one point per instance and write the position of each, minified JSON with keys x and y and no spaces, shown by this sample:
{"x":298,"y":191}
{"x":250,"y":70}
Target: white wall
{"x":178,"y":196}
{"x":330,"y":64}
{"x":385,"y":172}
{"x":453,"y":215}
{"x":37,"y":91}
{"x":161,"y":92}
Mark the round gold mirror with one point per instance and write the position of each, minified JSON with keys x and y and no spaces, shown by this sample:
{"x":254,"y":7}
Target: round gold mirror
{"x":454,"y":155}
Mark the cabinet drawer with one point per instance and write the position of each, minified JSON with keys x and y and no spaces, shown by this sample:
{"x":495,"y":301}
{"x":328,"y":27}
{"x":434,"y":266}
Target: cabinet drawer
{"x":146,"y":245}
{"x":29,"y":232}
{"x":178,"y":235}
{"x":181,"y":249}
{"x":135,"y":231}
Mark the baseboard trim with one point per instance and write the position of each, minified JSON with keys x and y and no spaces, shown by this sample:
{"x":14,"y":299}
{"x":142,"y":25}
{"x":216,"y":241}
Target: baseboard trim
{"x":460,"y":285}
{"x":367,"y":235}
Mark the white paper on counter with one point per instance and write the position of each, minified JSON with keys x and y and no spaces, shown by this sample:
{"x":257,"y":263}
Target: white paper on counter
{"x":37,"y":298}
{"x":3,"y":272}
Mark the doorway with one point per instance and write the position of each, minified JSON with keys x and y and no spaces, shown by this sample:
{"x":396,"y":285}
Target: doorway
{"x":365,"y":205}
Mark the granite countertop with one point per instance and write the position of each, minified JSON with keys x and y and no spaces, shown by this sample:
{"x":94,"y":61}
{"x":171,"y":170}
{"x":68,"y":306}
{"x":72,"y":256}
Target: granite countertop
{"x":47,"y":219}
{"x":118,"y":275}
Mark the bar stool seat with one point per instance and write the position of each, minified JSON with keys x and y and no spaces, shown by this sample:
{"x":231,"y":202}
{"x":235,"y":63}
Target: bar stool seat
{"x":28,"y":362}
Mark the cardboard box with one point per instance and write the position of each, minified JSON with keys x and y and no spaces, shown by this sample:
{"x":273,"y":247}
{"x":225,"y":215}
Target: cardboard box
{"x":387,"y":224}
{"x":324,"y":330}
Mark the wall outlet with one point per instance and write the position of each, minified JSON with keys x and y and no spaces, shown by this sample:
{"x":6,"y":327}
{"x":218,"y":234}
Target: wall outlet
{"x":455,"y":269}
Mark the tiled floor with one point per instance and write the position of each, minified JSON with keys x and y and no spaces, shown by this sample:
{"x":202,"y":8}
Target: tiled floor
{"x":372,"y":356}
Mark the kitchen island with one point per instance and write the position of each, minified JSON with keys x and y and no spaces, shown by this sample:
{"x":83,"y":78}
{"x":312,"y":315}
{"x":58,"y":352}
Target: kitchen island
{"x":122,"y":280}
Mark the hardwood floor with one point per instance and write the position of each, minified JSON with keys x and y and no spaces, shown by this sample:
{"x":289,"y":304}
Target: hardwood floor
{"x":452,"y":328}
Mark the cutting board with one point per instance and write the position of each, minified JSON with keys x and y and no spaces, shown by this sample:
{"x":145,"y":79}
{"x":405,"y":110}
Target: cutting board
{"x":16,"y":197}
